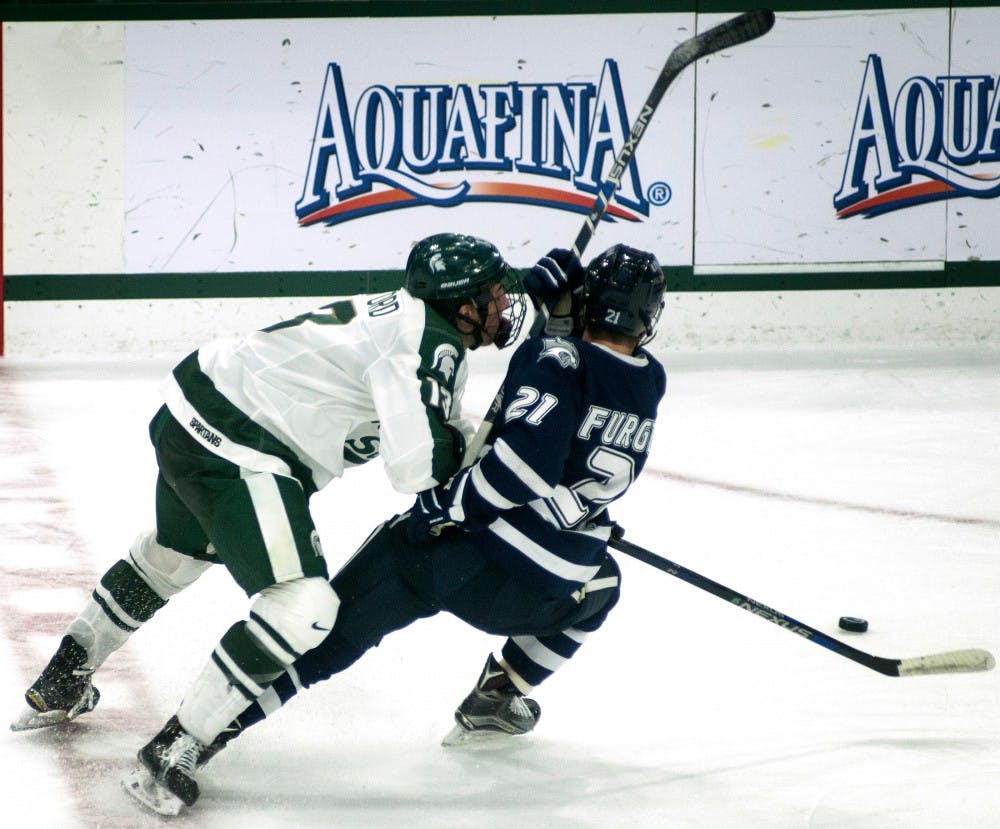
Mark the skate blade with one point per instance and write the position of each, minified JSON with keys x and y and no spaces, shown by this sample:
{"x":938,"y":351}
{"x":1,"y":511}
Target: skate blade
{"x":139,"y":783}
{"x":479,"y":738}
{"x":31,"y":719}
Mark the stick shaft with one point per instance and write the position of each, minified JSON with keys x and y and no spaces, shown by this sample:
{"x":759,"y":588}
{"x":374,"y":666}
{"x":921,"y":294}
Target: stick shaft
{"x":961,"y":661}
{"x":732,"y":32}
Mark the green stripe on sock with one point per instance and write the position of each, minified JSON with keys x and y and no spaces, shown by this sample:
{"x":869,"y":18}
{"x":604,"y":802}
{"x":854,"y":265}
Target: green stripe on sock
{"x":112,"y":615}
{"x":251,"y":658}
{"x":131,"y":593}
{"x":277,"y":637}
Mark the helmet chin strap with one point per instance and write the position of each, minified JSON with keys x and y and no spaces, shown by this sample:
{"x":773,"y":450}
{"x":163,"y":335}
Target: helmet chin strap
{"x":478,"y":331}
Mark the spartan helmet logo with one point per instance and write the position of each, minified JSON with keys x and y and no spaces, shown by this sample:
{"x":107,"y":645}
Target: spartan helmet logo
{"x":436,"y":264}
{"x":446,"y":362}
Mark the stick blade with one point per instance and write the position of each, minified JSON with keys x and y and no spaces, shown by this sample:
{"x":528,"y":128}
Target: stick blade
{"x":970,"y":660}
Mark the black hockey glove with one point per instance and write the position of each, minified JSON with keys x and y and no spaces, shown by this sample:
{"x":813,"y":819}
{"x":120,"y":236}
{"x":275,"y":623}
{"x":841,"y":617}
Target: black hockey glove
{"x":558,"y":271}
{"x":429,"y":515}
{"x":453,"y":504}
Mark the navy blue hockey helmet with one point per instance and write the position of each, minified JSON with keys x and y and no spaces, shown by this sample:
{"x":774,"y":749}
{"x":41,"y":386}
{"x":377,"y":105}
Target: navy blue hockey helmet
{"x":623,"y":292}
{"x":448,"y":270}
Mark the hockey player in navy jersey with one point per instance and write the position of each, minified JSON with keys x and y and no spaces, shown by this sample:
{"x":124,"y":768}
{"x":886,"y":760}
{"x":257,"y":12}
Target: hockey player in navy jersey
{"x":516,"y":543}
{"x":251,"y":428}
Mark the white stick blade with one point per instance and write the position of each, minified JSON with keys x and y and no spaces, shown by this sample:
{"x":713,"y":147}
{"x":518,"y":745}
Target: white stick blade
{"x":951,"y":662}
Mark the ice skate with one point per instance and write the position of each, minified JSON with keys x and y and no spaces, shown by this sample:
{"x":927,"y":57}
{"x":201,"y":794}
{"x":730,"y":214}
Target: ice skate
{"x":230,"y":732}
{"x":164,"y":779}
{"x":494,"y":708}
{"x":62,"y":692}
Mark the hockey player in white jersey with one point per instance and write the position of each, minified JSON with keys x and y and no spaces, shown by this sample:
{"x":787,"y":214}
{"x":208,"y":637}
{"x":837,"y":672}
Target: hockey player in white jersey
{"x":516,"y":544}
{"x":250,"y":429}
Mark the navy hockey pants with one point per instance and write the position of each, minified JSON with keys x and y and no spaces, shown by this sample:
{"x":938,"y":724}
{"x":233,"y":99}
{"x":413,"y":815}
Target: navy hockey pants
{"x":389,"y":584}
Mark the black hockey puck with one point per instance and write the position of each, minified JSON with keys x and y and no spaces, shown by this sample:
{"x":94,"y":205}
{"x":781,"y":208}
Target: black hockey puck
{"x":853,"y":624}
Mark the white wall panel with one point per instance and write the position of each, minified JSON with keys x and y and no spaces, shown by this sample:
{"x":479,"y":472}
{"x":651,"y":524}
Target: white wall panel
{"x":222,"y":114}
{"x":64,"y":147}
{"x":973,"y":223}
{"x":774,"y":130}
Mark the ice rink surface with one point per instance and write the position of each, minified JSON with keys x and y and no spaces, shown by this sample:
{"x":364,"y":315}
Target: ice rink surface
{"x":823,"y":484}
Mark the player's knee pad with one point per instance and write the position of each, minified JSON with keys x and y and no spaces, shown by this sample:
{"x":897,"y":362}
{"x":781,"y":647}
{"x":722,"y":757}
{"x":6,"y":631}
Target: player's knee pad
{"x":165,"y":570}
{"x":293,"y":617}
{"x":597,"y":598}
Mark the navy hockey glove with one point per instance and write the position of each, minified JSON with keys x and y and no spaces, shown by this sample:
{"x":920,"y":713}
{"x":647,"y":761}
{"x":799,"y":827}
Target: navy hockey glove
{"x":558,"y":271}
{"x":429,"y":515}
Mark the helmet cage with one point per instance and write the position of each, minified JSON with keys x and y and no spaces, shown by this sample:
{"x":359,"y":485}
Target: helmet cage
{"x":449,"y":270}
{"x":511,"y":317}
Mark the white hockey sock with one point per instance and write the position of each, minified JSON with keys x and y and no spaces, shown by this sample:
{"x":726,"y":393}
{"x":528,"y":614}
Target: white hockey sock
{"x":210,"y":704}
{"x":97,"y":634}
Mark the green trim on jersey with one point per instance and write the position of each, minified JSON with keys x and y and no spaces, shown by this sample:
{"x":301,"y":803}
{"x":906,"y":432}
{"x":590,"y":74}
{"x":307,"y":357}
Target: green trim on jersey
{"x":338,"y":313}
{"x":215,"y":407}
{"x":441,"y":355}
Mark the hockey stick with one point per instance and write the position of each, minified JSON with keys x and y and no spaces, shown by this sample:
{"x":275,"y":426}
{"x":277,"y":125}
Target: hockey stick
{"x":747,"y":26}
{"x":949,"y":662}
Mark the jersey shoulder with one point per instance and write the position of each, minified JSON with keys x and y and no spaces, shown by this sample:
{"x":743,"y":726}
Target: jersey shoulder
{"x":441,"y":349}
{"x":561,"y":350}
{"x":658,"y":371}
{"x":403,"y":324}
{"x":552,"y":352}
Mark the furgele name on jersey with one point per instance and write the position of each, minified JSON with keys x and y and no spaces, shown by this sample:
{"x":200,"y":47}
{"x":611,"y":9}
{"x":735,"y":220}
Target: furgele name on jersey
{"x":620,"y":429}
{"x":944,"y":131}
{"x":401,"y":137}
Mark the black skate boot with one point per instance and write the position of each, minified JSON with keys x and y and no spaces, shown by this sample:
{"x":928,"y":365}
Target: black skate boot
{"x":230,"y":732}
{"x":62,"y":692}
{"x":164,"y":780}
{"x":495,"y":707}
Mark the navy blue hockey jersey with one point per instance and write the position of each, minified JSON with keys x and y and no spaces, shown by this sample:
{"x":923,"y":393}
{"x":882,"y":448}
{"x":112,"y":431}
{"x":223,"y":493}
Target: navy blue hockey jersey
{"x":573,"y":434}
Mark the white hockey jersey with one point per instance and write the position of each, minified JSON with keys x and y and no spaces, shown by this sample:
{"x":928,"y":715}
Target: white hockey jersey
{"x":379,"y":374}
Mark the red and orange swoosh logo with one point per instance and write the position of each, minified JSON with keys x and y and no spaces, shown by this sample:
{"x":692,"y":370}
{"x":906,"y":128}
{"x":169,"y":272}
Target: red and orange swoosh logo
{"x":394,"y":199}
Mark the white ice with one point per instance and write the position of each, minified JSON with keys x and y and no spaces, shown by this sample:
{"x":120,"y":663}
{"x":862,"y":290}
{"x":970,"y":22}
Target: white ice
{"x":823,"y":484}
